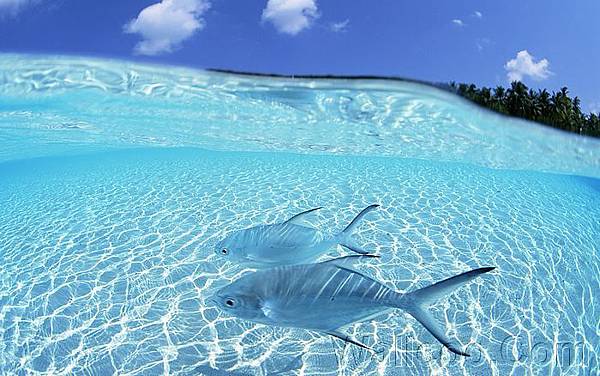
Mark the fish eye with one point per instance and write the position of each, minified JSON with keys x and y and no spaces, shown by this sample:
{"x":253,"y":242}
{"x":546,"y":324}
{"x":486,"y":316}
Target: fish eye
{"x":230,"y":302}
{"x":224,"y":251}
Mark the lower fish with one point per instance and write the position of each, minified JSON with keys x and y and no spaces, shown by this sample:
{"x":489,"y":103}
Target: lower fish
{"x":286,"y":243}
{"x":329,"y":296}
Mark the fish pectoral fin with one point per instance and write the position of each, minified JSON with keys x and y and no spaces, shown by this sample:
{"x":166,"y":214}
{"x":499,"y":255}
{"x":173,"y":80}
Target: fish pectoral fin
{"x":298,"y":219}
{"x":268,"y":311}
{"x":271,"y":311}
{"x":346,"y":338}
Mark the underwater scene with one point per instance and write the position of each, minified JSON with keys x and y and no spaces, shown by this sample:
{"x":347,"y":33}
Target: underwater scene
{"x":163,"y":220}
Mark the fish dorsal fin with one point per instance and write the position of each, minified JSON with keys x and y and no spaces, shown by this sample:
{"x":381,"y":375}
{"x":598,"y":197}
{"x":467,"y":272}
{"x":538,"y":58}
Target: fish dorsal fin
{"x":298,"y":219}
{"x":345,"y":263}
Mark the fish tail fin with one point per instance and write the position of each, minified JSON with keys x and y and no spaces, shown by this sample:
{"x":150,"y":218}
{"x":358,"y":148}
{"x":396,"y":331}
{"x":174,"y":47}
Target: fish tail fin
{"x":417,"y":302}
{"x":344,"y":237}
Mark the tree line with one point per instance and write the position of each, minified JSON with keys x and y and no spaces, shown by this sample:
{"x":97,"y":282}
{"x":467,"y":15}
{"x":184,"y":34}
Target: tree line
{"x":556,"y":109}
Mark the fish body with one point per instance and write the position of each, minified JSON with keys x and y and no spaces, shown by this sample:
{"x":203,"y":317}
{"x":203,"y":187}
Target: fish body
{"x":285,"y":243}
{"x":329,"y":296}
{"x":281,"y":243}
{"x":312,"y":296}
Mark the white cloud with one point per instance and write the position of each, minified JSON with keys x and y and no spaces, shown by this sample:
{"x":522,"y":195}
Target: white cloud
{"x":290,"y":16}
{"x":458,"y":22}
{"x":12,"y":7}
{"x":340,"y":27}
{"x":525,"y":66}
{"x":477,"y":14}
{"x":165,"y":25}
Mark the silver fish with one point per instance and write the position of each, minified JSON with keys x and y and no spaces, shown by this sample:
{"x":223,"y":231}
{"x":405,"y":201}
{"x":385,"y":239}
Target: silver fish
{"x":285,"y":243}
{"x":328,"y":296}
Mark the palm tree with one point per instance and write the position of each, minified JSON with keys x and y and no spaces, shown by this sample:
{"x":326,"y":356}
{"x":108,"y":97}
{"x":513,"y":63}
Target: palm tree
{"x":556,"y":109}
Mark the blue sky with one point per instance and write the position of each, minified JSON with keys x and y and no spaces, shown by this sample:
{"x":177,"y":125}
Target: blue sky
{"x":544,"y":43}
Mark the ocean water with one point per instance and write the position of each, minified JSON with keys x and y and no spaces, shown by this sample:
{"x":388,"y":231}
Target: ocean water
{"x":117,"y":179}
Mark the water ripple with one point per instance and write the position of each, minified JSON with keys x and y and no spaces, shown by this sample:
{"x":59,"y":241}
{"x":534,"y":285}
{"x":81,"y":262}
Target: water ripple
{"x":107,"y":264}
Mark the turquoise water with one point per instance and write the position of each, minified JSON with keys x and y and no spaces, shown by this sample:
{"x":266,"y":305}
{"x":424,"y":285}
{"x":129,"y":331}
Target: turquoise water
{"x":117,"y":179}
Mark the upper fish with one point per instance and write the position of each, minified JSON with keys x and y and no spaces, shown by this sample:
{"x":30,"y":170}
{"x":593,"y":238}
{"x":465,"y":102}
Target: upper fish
{"x":330,"y":295}
{"x":286,"y":243}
